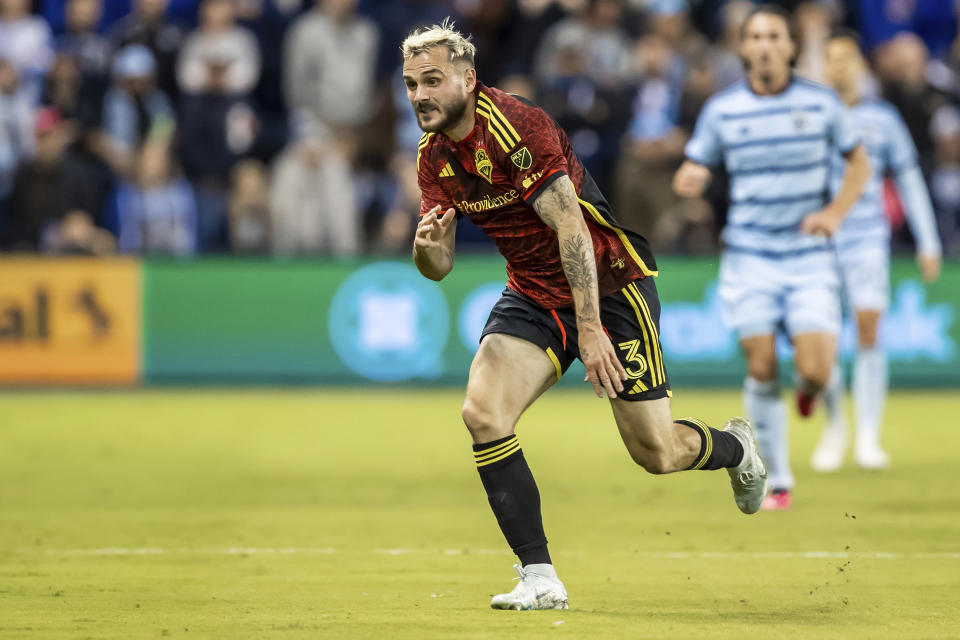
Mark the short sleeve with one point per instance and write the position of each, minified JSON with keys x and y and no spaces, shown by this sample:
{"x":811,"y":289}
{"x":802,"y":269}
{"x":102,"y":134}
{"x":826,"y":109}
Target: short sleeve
{"x":901,"y":152}
{"x":538,"y":158}
{"x":705,"y":145}
{"x":431,"y":193}
{"x":840,"y":127}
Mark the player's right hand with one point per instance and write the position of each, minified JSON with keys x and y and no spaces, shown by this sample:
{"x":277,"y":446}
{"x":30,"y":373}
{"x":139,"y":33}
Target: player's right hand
{"x":604,"y":370}
{"x":431,"y":228}
{"x":823,"y":223}
{"x":691,"y":180}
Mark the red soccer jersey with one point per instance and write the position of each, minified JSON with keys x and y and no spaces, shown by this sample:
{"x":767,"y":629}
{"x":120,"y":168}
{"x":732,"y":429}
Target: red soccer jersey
{"x":493,"y":176}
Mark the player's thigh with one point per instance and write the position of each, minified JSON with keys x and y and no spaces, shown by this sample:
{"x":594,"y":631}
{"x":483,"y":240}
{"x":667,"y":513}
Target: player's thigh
{"x":760,"y":352}
{"x":812,"y":294}
{"x":814,"y":354}
{"x":751,"y":294}
{"x":507,"y":374}
{"x":865,"y":270}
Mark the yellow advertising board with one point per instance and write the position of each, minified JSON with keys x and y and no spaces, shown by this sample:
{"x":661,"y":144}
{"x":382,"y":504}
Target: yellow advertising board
{"x":69,"y":320}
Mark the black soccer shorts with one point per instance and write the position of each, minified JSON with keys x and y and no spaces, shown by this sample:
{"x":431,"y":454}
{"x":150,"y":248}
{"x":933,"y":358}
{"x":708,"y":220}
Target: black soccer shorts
{"x":630,"y":317}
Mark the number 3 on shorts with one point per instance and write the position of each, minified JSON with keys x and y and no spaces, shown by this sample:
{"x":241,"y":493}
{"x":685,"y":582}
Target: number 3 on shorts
{"x":632,"y":347}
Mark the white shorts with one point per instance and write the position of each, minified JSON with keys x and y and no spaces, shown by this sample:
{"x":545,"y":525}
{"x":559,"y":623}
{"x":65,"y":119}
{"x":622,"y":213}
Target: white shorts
{"x":865,"y":270}
{"x":761,"y":295}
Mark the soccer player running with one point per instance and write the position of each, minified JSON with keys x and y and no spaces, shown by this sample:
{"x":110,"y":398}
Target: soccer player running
{"x":775,"y":134}
{"x":579,"y":286}
{"x":863,"y":252}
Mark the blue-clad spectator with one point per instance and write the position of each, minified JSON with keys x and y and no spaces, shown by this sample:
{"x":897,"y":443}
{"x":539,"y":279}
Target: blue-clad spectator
{"x":82,"y":40}
{"x":156,"y":212}
{"x":934,"y":21}
{"x":133,"y":105}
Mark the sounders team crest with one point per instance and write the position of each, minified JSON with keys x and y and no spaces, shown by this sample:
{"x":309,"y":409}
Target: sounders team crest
{"x":484,"y":165}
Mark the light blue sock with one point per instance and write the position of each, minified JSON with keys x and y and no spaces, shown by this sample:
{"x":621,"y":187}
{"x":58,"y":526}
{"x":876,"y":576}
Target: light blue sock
{"x":833,"y":401}
{"x":869,"y":394}
{"x":769,"y":415}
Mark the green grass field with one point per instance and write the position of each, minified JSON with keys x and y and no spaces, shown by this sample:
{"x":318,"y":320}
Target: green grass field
{"x":341,"y":514}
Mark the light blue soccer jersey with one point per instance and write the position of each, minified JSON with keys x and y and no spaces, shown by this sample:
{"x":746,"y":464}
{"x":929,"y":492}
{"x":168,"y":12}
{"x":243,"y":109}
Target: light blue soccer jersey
{"x":777,"y":151}
{"x":891,"y":151}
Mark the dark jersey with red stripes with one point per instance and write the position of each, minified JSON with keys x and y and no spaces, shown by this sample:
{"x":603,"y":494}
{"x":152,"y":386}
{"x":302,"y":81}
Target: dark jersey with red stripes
{"x":493,"y":176}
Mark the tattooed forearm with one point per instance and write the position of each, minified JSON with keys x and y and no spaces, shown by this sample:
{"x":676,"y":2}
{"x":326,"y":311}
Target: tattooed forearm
{"x":581,"y":271}
{"x":555,"y":200}
{"x":557,"y":206}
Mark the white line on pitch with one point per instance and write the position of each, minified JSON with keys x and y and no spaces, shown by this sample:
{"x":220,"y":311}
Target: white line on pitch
{"x":667,"y":555}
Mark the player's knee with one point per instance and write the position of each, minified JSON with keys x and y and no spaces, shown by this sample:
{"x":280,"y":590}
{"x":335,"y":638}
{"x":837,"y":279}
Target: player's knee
{"x":867,"y":334}
{"x":814,"y":372}
{"x":481,"y":422}
{"x":654,"y":462}
{"x":657,"y":463}
{"x":762,"y":369}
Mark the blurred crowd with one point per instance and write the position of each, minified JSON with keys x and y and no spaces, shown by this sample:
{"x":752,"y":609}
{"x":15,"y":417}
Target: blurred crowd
{"x":282,"y":127}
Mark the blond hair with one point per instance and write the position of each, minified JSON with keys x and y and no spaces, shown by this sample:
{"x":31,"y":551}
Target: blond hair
{"x":439,"y":35}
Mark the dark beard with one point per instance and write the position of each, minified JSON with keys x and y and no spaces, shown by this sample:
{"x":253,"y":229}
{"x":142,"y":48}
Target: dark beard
{"x":453,"y":113}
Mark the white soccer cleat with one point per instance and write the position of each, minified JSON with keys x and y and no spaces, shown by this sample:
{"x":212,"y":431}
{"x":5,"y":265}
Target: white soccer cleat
{"x":539,"y":588}
{"x":828,"y":456}
{"x":871,"y":457}
{"x":749,"y":478}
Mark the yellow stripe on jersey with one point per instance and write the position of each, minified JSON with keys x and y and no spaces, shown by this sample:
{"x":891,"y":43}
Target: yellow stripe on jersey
{"x":646,"y":335}
{"x":657,"y":351}
{"x":494,"y":129}
{"x":623,"y":238}
{"x":497,"y":123}
{"x":424,"y":141}
{"x":447,"y":171}
{"x":499,"y":115}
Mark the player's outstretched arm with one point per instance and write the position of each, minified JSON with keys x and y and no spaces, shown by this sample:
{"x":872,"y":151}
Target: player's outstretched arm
{"x":557,"y":206}
{"x":923,"y":223}
{"x":691,"y":179}
{"x":434,"y":243}
{"x":826,"y":221}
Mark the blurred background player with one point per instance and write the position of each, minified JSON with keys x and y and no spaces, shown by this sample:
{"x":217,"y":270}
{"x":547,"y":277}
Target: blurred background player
{"x":775,"y":134}
{"x":863,"y":250}
{"x":579,"y":287}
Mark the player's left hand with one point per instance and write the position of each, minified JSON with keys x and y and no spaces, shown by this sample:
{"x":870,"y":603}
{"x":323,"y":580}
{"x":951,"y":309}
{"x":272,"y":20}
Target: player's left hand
{"x":604,"y":370}
{"x":929,"y":266}
{"x":822,"y":223}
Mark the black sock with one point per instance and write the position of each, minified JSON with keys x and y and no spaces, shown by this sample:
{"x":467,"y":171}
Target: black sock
{"x":513,"y":496}
{"x":718,"y":449}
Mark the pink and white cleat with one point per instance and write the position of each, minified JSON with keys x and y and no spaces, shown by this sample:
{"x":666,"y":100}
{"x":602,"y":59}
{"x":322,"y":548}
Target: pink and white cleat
{"x":776,"y":500}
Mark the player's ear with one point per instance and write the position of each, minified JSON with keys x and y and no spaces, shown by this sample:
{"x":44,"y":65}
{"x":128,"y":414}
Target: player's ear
{"x":470,"y":79}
